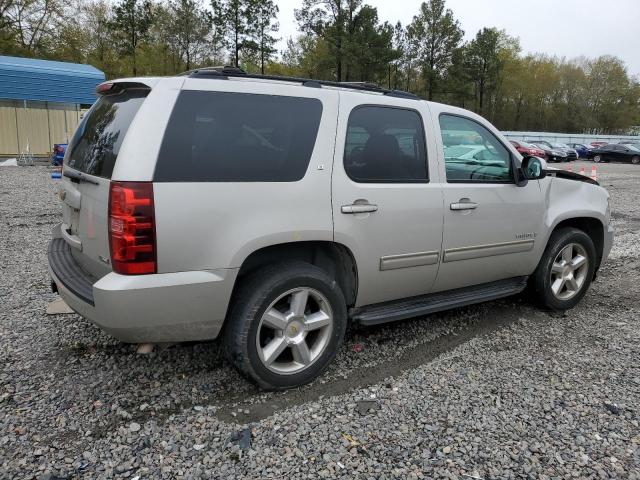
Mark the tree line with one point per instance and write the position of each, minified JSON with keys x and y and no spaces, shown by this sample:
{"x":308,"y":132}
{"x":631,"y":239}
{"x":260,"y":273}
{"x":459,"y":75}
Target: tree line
{"x":340,"y":40}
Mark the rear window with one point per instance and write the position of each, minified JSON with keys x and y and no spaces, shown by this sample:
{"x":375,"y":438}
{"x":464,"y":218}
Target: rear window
{"x":238,"y":137}
{"x":96,"y":143}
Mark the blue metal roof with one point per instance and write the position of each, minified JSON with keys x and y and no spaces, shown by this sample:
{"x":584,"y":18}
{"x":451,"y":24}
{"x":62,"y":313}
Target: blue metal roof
{"x":45,"y":80}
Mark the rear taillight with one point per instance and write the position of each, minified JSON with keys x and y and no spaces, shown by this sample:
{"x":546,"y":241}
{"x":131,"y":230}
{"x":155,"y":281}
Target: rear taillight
{"x":132,"y":229}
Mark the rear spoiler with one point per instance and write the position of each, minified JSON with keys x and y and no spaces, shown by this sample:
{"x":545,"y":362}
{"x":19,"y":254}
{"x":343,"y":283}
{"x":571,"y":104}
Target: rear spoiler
{"x":107,"y":88}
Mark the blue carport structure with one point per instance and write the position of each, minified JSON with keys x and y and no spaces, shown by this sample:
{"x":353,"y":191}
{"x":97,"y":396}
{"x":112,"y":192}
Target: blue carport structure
{"x":41,"y":102}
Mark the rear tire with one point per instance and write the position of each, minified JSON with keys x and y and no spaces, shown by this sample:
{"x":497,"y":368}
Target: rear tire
{"x":635,"y":160}
{"x":597,"y":159}
{"x":565,"y":270}
{"x":285,"y":325}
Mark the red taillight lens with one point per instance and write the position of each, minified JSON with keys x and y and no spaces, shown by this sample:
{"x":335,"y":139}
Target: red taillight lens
{"x":132,"y":230}
{"x":104,"y":87}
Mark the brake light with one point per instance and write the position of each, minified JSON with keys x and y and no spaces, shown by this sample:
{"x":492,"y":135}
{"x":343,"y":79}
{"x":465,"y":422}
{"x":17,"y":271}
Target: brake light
{"x":132,"y":230}
{"x":104,"y":87}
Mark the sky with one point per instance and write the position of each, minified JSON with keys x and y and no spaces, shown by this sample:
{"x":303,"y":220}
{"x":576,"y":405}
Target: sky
{"x":564,"y":28}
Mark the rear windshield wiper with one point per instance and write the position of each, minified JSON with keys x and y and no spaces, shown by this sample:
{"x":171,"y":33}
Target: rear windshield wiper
{"x":79,"y":176}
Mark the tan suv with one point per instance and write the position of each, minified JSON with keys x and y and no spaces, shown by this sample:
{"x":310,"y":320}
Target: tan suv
{"x":273,"y":211}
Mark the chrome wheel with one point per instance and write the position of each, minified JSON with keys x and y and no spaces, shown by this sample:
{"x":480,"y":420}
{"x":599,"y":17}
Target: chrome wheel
{"x":597,"y":158}
{"x":569,"y":271}
{"x":635,"y":160}
{"x":294,"y":331}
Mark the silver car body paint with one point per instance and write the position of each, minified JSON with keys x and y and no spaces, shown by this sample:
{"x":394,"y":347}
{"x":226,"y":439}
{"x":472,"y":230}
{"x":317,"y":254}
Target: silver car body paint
{"x":413,"y":243}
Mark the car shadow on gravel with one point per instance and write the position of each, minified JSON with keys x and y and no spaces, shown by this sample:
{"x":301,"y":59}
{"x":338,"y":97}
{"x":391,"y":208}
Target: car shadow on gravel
{"x":183,"y":376}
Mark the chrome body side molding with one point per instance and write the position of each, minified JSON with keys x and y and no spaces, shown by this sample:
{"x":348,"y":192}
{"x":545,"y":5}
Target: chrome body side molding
{"x":392,"y":262}
{"x":479,"y":251}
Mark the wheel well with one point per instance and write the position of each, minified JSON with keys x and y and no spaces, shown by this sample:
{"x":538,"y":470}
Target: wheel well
{"x":592,"y":227}
{"x":334,"y":258}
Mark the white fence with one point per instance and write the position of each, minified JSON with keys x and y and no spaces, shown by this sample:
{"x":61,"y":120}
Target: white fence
{"x":568,"y":137}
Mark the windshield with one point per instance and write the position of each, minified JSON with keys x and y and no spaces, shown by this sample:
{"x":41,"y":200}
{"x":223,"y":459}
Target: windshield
{"x":96,"y":143}
{"x":635,"y":148}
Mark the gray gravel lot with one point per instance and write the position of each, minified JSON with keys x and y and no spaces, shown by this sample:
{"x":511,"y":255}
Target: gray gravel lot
{"x":499,"y":390}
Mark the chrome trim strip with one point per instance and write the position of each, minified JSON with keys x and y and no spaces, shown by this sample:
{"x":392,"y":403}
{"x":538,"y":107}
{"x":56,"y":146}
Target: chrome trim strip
{"x":406,"y":260}
{"x":490,"y":250}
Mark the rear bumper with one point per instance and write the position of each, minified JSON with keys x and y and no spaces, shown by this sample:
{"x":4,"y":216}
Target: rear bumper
{"x":166,"y":307}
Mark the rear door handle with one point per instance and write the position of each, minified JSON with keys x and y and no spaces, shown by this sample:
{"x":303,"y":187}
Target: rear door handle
{"x":359,"y":208}
{"x":464,"y":204}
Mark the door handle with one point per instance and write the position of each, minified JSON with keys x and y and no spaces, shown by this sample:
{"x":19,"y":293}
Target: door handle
{"x":464,"y":204}
{"x":359,"y":208}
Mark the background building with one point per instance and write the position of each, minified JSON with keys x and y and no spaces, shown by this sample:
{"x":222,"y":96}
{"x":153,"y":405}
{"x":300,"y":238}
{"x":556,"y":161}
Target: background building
{"x":41,"y":102}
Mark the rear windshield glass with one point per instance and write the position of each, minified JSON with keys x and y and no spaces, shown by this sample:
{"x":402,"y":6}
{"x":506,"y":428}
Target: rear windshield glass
{"x":238,"y":137}
{"x":96,"y":143}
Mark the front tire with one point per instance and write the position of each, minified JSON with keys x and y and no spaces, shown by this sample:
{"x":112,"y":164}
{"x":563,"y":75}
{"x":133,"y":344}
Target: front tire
{"x":565,"y":270}
{"x":286,"y":325}
{"x":597,"y":159}
{"x":635,"y":160}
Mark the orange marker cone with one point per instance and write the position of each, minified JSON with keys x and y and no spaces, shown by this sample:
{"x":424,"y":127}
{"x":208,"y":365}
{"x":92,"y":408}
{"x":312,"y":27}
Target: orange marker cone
{"x":594,"y":173}
{"x":569,"y":168}
{"x":582,"y":170}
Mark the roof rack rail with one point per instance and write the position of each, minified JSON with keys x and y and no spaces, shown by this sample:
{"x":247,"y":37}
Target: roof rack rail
{"x":228,"y":71}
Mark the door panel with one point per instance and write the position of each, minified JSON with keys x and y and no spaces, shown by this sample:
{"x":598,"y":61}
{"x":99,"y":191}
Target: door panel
{"x":490,"y":224}
{"x":389,"y":218}
{"x":493,"y":241}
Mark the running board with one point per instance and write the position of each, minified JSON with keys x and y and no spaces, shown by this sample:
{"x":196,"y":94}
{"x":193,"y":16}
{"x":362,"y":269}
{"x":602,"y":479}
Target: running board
{"x":436,"y":302}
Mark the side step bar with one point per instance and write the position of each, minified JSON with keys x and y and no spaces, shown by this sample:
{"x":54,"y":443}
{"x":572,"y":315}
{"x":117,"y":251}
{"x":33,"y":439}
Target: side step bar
{"x":436,"y":302}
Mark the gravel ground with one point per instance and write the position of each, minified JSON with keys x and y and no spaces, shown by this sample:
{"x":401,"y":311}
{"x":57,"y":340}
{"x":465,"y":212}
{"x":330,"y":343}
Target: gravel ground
{"x":499,"y":390}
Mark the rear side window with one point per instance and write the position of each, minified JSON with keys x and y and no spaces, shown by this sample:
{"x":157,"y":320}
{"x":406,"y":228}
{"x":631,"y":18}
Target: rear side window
{"x":96,"y":143}
{"x":238,"y":137}
{"x":385,"y":145}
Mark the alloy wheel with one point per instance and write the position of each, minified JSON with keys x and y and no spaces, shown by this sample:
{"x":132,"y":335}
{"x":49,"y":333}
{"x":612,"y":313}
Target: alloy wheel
{"x":294,"y":331}
{"x":569,"y":271}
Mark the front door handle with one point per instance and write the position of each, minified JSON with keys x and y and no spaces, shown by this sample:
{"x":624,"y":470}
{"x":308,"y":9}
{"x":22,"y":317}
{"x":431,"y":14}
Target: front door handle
{"x":464,"y":204}
{"x":359,"y":208}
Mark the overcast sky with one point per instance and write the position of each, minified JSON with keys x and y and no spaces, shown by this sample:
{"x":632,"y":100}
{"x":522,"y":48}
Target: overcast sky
{"x":566,"y":28}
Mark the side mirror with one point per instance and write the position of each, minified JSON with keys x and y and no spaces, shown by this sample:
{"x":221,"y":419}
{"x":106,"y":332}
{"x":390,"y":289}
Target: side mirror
{"x":532,"y":168}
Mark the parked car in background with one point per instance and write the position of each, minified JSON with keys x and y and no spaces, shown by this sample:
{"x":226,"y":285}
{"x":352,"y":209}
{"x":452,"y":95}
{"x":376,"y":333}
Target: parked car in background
{"x":525,"y":149}
{"x":581,"y":149}
{"x":616,"y":153}
{"x":551,"y":154}
{"x":571,"y":153}
{"x":635,"y":143}
{"x":57,"y":156}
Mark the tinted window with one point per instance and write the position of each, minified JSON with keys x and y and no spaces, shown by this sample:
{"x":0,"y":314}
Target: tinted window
{"x":385,"y":145}
{"x":96,"y":143}
{"x":472,"y":153}
{"x":238,"y":137}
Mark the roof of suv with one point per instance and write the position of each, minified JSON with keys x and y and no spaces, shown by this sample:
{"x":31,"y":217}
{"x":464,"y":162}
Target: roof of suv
{"x":233,"y":72}
{"x":223,"y":73}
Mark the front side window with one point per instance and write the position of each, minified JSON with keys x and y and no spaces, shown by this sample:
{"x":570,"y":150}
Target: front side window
{"x":238,"y":137}
{"x":385,"y":145}
{"x":472,"y":153}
